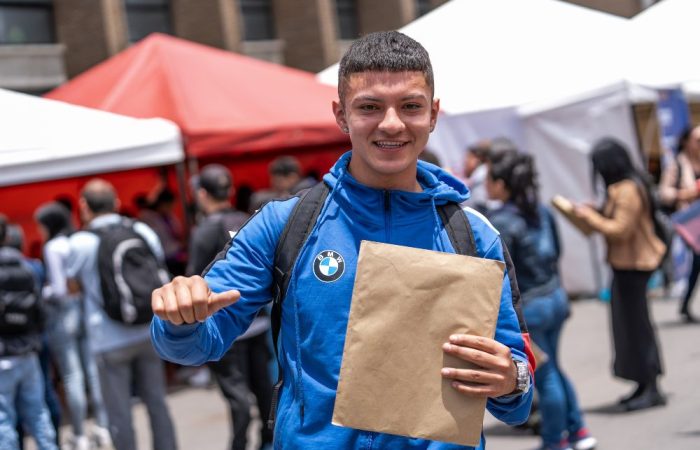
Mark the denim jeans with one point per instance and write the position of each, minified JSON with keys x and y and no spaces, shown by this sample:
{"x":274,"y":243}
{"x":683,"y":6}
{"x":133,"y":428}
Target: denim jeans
{"x":70,"y":348}
{"x":22,"y":397}
{"x":136,"y":366}
{"x":558,"y":405}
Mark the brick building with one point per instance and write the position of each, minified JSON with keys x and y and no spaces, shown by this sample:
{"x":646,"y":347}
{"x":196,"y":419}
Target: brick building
{"x":44,"y":42}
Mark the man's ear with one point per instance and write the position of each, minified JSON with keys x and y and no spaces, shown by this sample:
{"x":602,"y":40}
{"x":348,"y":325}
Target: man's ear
{"x":339,"y":113}
{"x":434,"y":110}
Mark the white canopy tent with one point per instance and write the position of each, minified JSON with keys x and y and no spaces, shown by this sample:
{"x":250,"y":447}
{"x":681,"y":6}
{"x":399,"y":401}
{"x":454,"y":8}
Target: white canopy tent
{"x":46,"y":139}
{"x":663,"y":46}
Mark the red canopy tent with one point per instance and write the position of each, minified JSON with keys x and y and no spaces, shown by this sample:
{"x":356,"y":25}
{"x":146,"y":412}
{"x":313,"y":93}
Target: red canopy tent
{"x":229,"y":107}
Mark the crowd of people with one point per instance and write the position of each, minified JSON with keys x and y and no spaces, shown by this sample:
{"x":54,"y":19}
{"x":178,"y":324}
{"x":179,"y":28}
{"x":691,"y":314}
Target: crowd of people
{"x":87,"y":308}
{"x":80,"y":341}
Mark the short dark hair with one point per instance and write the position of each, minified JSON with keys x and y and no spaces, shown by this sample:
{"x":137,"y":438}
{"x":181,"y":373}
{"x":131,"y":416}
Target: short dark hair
{"x":55,"y":217}
{"x":100,"y":196}
{"x":216,"y":180}
{"x":384,"y":51}
{"x":285,"y":165}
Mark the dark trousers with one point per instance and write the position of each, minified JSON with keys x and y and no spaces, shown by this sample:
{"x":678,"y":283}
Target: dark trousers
{"x":136,"y":366}
{"x":692,"y":280}
{"x":636,"y":351}
{"x":241,"y":371}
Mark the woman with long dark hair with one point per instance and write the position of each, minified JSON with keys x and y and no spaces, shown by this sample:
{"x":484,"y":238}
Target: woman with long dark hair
{"x":66,"y":330}
{"x":634,"y":252}
{"x":530,"y":234}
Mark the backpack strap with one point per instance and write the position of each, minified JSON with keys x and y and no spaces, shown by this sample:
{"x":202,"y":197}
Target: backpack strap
{"x":458,"y":228}
{"x":292,"y":239}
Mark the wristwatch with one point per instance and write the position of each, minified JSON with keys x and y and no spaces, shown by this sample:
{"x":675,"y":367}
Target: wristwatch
{"x":522,"y":380}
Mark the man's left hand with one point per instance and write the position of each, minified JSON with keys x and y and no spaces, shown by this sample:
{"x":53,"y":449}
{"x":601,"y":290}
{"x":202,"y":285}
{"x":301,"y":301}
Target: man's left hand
{"x":495,"y":374}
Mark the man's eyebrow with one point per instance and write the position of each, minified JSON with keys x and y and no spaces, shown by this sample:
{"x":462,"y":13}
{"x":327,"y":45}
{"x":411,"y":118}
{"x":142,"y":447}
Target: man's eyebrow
{"x":367,"y":98}
{"x":414,"y":97}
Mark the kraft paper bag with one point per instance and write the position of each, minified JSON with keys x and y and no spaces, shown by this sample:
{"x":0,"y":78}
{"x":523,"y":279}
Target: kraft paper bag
{"x":406,"y":303}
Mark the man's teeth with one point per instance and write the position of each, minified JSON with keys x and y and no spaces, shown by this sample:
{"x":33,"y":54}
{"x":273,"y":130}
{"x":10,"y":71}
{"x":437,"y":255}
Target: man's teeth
{"x":389,"y":144}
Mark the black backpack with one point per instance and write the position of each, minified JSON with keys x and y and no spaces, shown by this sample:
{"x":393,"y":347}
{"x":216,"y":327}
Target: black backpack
{"x":296,"y":232}
{"x":20,"y":309}
{"x":129,"y":272}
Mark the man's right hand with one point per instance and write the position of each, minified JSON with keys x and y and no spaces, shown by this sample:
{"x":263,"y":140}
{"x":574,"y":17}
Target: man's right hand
{"x":189,"y":300}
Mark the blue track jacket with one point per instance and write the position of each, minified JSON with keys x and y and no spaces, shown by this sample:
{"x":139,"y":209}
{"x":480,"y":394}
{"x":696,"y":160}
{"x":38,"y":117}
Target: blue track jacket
{"x":315,"y":313}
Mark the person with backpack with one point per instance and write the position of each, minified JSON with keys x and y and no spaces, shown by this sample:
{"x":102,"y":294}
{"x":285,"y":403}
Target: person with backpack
{"x":530,"y":233}
{"x":66,"y":332}
{"x":115,"y":263}
{"x":243,"y":369}
{"x":21,"y":380}
{"x":679,"y":186}
{"x":634,"y":252}
{"x":302,"y":254}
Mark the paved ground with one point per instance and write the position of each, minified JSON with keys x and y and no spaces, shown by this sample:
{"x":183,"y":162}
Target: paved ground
{"x":202,"y":422}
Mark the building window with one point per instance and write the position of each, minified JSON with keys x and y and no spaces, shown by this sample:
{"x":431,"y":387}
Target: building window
{"x":423,"y":7}
{"x":258,"y":24}
{"x":347,"y":19}
{"x":147,"y":16}
{"x":26,"y":22}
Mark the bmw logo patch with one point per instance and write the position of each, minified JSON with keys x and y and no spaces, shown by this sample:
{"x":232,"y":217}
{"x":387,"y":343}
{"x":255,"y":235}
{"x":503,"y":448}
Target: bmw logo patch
{"x":329,"y":266}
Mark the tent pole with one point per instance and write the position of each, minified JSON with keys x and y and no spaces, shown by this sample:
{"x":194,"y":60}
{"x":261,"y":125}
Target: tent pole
{"x":182,"y":187}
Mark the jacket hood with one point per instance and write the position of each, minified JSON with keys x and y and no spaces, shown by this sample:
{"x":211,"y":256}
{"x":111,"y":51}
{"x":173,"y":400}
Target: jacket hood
{"x":439,"y":187}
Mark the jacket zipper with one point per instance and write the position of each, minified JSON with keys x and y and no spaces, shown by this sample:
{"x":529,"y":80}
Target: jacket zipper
{"x":387,"y":215}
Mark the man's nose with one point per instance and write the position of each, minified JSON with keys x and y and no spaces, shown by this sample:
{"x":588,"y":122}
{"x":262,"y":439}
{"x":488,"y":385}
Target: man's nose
{"x":392,"y":123}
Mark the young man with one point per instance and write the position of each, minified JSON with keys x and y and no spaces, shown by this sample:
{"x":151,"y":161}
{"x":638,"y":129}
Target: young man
{"x":378,"y":192}
{"x":125,"y":357}
{"x":243,"y":370}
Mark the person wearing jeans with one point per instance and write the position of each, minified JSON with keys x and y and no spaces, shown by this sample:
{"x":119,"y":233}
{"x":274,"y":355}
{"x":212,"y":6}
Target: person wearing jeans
{"x":545,"y":317}
{"x":67,"y":337}
{"x":21,"y":381}
{"x":530,"y":234}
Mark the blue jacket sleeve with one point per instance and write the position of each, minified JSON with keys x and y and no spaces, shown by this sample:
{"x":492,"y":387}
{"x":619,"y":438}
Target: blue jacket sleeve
{"x":246,"y":265}
{"x":515,"y":409}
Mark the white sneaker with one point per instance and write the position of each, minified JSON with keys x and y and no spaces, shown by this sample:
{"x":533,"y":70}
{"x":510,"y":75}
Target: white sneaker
{"x":587,"y":443}
{"x":102,"y":438}
{"x":77,"y":443}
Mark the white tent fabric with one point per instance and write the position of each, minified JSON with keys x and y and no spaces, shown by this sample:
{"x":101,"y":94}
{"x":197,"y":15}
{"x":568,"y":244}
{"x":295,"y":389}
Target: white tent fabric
{"x":662,"y":50}
{"x":46,"y":139}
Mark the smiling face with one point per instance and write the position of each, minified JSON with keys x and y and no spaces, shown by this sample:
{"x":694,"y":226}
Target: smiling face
{"x":388,"y":116}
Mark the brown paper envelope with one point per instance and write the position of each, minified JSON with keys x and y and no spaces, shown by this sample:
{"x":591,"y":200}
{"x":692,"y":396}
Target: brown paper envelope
{"x":406,"y":303}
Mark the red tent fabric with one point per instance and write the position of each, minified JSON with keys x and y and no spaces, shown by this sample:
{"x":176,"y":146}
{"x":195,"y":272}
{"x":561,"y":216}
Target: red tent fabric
{"x":224,"y":103}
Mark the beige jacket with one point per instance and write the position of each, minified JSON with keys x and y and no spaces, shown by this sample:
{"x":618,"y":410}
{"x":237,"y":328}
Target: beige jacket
{"x":628,"y":229}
